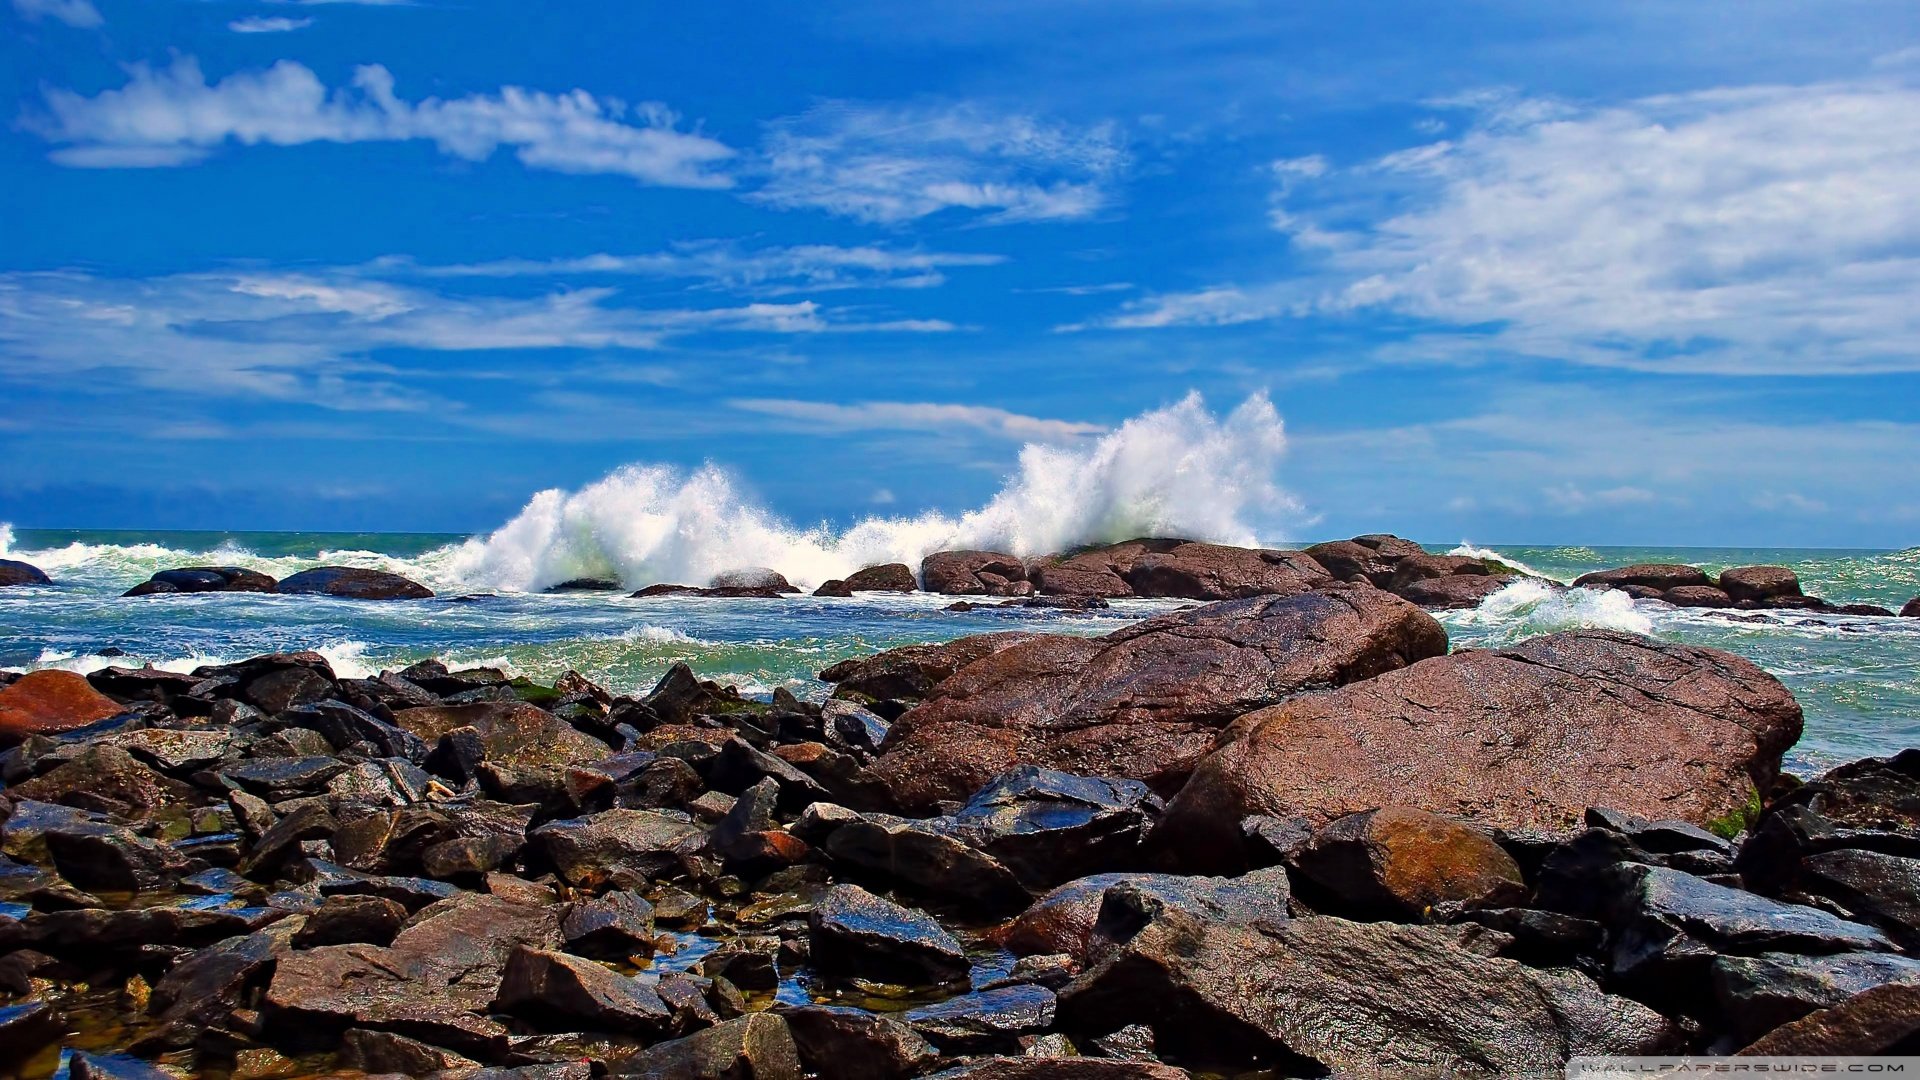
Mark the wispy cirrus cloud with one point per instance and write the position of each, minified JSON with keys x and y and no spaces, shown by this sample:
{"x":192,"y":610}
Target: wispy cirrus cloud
{"x":268,"y":24}
{"x":175,"y":116}
{"x":773,"y":270}
{"x":1755,"y":230}
{"x":917,"y":416}
{"x":889,"y":164}
{"x":77,"y":13}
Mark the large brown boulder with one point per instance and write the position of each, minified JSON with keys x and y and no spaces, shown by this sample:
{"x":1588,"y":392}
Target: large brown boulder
{"x":1097,"y":571}
{"x":887,"y":577}
{"x":354,"y":583}
{"x":15,"y":572}
{"x":199,"y":579}
{"x":513,"y":732}
{"x":1146,"y":702}
{"x":1527,"y":737}
{"x":45,"y":702}
{"x":971,"y":573}
{"x":1759,"y":583}
{"x":1397,"y":862}
{"x":1181,"y":569}
{"x":1455,"y":591}
{"x":910,"y":673}
{"x":1373,"y":557}
{"x":1661,"y":576}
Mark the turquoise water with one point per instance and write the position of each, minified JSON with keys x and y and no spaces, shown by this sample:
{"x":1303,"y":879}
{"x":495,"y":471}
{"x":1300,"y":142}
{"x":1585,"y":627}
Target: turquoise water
{"x":1857,"y":677}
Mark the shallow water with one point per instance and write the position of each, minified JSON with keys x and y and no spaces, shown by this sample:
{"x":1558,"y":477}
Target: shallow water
{"x":1857,"y":677}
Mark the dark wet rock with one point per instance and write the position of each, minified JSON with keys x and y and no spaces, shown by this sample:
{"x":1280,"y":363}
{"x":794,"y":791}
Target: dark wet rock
{"x":740,"y":766}
{"x":45,"y":702}
{"x":1658,"y":837}
{"x":200,"y":579}
{"x":1059,"y":1068}
{"x":618,"y":847}
{"x":379,"y":1052}
{"x":179,"y":752}
{"x":887,"y":577}
{"x":753,"y":577}
{"x":754,"y":1047}
{"x":971,"y":573}
{"x":1527,"y":737}
{"x":515,"y":733}
{"x":910,"y":673}
{"x":553,"y":987}
{"x":354,"y":583}
{"x":725,"y":592}
{"x":1661,"y":576}
{"x":985,"y":1022}
{"x":1759,"y":584}
{"x":282,"y":840}
{"x":96,"y":934}
{"x":469,"y":856}
{"x":114,"y":1067}
{"x":91,"y":853}
{"x":1455,"y":591}
{"x":847,"y":1042}
{"x":750,"y":963}
{"x":833,"y":587}
{"x":279,"y":779}
{"x":1875,"y":888}
{"x":208,"y":984}
{"x":1697,"y":596}
{"x":584,"y":584}
{"x":27,"y":1027}
{"x":1146,"y":702}
{"x":343,"y":725}
{"x":1883,"y":1020}
{"x":1359,"y":998}
{"x":1066,"y":920}
{"x":1541,"y":938}
{"x":1049,"y":827}
{"x":1397,"y":862}
{"x":920,"y":857}
{"x":106,"y":779}
{"x":1672,"y":925}
{"x":352,"y":920}
{"x":1911,"y":609}
{"x":1760,"y":993}
{"x":15,"y":572}
{"x":851,"y":727}
{"x":612,"y":926}
{"x":854,"y":932}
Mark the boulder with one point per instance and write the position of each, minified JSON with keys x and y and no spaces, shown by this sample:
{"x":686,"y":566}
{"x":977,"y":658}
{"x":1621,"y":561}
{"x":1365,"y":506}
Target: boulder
{"x":1759,"y":993}
{"x":1519,"y":738}
{"x":512,"y":732}
{"x":1398,"y":862}
{"x":48,"y":702}
{"x":620,"y":847}
{"x":612,"y":926}
{"x":887,"y":577}
{"x":566,"y":991}
{"x":1872,"y":886}
{"x":1882,"y":1021}
{"x":1362,"y":999}
{"x":833,"y":587}
{"x":836,"y":1041}
{"x":199,"y":579}
{"x":1097,"y":572}
{"x":1702,"y":596}
{"x":354,"y":583}
{"x":725,"y":592}
{"x":108,"y":779}
{"x":754,"y":1047}
{"x":1661,"y":576}
{"x":1066,"y":920}
{"x":1452,"y":592}
{"x":1425,"y":567}
{"x":1146,"y":702}
{"x":853,"y":932}
{"x":1911,"y":609}
{"x":971,"y":573}
{"x":1216,"y":572}
{"x":15,"y":572}
{"x":1358,"y":558}
{"x":917,"y":855}
{"x":985,"y":1022}
{"x":753,"y":577}
{"x":909,"y":673}
{"x":1759,"y":584}
{"x":1048,"y":827}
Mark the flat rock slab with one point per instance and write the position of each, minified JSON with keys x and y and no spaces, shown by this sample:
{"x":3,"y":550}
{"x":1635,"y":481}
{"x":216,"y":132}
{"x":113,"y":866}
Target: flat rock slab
{"x":1527,"y":737}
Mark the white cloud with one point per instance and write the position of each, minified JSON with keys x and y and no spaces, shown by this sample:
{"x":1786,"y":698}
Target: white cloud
{"x":1764,"y":230}
{"x":1573,"y":499}
{"x":174,"y":116}
{"x":267,"y":24}
{"x":890,"y":164}
{"x":918,"y":416}
{"x":80,"y":13}
{"x":810,"y":267}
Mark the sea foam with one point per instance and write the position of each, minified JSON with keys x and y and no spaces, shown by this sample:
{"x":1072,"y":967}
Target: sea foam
{"x":1176,"y":471}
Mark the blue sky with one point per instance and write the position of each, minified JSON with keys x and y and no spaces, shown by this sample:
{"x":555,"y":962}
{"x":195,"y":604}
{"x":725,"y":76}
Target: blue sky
{"x":1628,"y":273}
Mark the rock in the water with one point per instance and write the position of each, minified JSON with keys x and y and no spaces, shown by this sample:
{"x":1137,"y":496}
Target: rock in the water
{"x":1759,"y":583}
{"x":971,"y":573}
{"x":1398,"y":862}
{"x":1911,"y":609}
{"x":833,"y":587}
{"x":47,"y":702}
{"x":354,"y":583}
{"x":1883,"y":1020}
{"x":854,"y":932}
{"x":754,"y":1047}
{"x":1453,"y":591}
{"x":836,"y":1041}
{"x":1217,"y":572}
{"x":1873,"y":886}
{"x":922,"y":857}
{"x":887,"y":577}
{"x":1661,"y":576}
{"x":1146,"y":702}
{"x":753,"y":577}
{"x":1760,"y":993}
{"x":1698,"y":596}
{"x":547,"y":986}
{"x":199,"y":579}
{"x":612,"y":926}
{"x":1373,"y":558}
{"x":985,"y":1022}
{"x":15,"y":572}
{"x":1527,"y":737}
{"x":1364,"y":999}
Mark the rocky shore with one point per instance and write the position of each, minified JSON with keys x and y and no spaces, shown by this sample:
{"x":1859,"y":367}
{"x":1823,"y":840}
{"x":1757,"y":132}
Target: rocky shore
{"x":1284,"y":832}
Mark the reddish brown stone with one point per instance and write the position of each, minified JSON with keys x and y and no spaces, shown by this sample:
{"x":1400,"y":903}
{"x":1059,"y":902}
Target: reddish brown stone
{"x":1215,"y":572}
{"x":1759,"y":582}
{"x":1398,"y":862}
{"x":1662,"y":576}
{"x":912,"y":671}
{"x":967,"y":573}
{"x":1146,"y":702}
{"x":1697,"y":596}
{"x":1457,"y":591}
{"x":887,"y":577}
{"x":45,"y":702}
{"x":1528,"y":737}
{"x":1883,"y":1020}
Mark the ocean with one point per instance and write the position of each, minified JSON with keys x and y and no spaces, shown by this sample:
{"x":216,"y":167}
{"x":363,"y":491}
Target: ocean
{"x":1858,"y":678}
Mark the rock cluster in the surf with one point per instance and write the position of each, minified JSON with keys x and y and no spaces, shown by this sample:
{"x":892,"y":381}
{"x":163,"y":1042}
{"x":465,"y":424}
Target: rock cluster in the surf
{"x":1747,"y":588}
{"x":347,"y":582}
{"x":1284,"y":831}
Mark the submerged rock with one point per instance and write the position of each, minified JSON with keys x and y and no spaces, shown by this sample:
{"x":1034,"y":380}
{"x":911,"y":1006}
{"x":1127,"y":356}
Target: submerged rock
{"x":354,"y":583}
{"x":1527,"y":737}
{"x":1143,"y":703}
{"x":853,"y":932}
